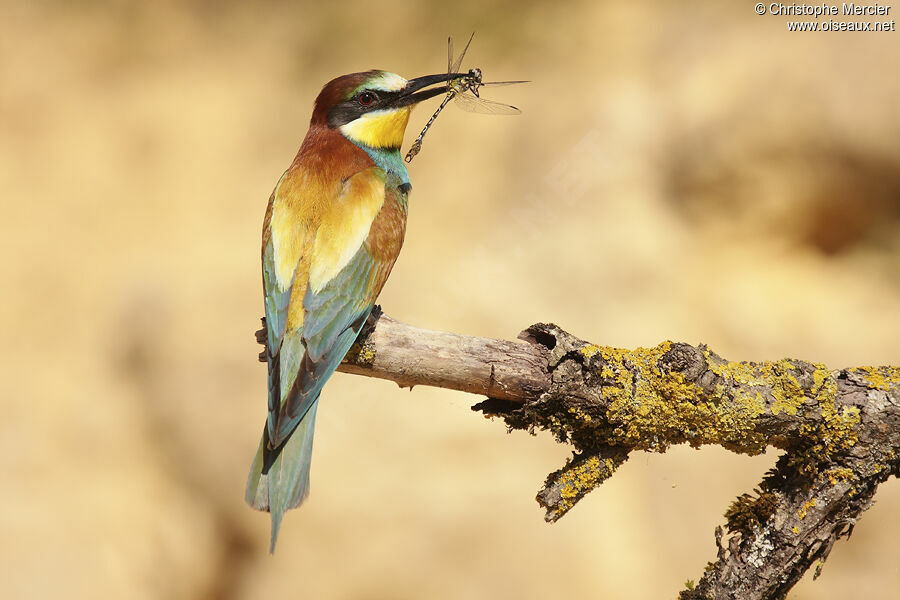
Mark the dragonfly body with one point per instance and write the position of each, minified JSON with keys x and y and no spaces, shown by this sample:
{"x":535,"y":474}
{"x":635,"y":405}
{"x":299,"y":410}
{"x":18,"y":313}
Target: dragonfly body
{"x":465,"y":91}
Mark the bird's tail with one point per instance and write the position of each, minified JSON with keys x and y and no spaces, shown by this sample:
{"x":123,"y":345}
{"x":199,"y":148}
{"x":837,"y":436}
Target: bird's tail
{"x":279,"y":478}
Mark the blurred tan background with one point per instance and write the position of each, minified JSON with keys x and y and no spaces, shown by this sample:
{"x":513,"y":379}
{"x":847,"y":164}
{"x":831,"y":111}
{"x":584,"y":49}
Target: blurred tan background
{"x":685,"y":171}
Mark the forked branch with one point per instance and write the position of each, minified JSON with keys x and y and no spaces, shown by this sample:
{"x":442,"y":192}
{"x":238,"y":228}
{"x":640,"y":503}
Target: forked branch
{"x":839,"y":430}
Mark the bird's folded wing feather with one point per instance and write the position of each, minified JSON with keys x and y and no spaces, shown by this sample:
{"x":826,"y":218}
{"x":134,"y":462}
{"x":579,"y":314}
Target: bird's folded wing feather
{"x":318,"y":278}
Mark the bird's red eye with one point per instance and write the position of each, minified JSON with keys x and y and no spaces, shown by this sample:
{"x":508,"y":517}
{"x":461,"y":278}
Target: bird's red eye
{"x":366,"y":98}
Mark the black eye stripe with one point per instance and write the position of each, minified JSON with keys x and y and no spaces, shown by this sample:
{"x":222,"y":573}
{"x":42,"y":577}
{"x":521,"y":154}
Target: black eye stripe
{"x":352,"y":109}
{"x":381,"y":97}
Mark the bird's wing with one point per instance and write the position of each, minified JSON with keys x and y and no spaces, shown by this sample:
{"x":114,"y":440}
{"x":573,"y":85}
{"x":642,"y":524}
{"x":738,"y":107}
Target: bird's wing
{"x":331,"y":294}
{"x":285,"y":233}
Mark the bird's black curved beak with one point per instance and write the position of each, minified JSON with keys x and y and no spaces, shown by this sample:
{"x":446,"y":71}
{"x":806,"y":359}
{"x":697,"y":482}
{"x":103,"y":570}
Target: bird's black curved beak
{"x":415,"y":91}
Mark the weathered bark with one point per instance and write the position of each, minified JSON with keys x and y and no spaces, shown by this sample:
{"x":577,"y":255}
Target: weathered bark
{"x":840,"y":430}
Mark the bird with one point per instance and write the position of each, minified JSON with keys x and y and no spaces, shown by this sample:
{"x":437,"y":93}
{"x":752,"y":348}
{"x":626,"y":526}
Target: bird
{"x":333,"y":228}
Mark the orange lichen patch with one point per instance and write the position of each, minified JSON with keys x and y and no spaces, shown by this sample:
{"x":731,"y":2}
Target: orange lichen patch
{"x":880,"y":378}
{"x":652,"y":407}
{"x":578,"y":479}
{"x":805,"y":508}
{"x":837,"y":474}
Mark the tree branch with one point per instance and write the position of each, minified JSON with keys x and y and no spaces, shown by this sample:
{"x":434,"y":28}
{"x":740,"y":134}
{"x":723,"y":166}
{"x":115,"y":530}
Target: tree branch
{"x":840,"y":430}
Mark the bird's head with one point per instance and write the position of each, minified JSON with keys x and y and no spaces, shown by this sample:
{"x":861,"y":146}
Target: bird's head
{"x":372,"y":108}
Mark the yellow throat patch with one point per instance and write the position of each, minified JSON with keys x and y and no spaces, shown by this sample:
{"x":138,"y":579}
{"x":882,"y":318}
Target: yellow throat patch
{"x":380,"y":128}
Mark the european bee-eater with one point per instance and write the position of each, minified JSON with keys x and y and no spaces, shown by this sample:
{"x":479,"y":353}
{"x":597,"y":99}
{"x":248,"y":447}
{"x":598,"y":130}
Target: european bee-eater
{"x":333,"y":228}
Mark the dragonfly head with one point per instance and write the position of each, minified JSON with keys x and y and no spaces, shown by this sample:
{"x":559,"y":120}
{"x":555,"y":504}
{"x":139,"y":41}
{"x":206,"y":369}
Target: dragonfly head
{"x":372,"y":108}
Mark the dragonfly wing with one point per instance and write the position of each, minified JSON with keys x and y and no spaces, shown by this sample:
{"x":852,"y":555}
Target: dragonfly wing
{"x":449,"y":55}
{"x":470,"y":103}
{"x":459,"y":59}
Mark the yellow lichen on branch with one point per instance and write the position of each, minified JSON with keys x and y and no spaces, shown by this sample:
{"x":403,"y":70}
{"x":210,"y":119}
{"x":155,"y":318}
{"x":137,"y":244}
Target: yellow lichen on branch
{"x":609,"y":401}
{"x":650,"y":407}
{"x":582,"y":478}
{"x":839,"y":430}
{"x":881,"y":378}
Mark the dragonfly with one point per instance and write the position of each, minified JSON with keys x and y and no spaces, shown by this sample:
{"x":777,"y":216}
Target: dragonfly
{"x":465,"y":91}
